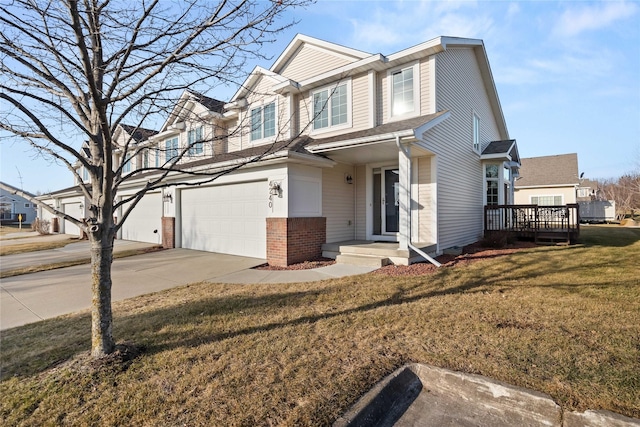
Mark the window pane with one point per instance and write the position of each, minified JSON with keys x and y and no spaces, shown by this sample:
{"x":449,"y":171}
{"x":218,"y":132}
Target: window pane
{"x":492,"y":192}
{"x":269,"y":113}
{"x":256,"y":124}
{"x":320,"y":113}
{"x":402,"y":86}
{"x":339,"y":106}
{"x":492,"y":171}
{"x":476,"y":133}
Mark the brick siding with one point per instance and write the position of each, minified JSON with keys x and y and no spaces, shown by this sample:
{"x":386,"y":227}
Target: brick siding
{"x":168,"y":232}
{"x":293,"y":240}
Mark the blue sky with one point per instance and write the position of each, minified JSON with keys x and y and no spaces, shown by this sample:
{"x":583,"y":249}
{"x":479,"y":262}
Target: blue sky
{"x":567,"y":73}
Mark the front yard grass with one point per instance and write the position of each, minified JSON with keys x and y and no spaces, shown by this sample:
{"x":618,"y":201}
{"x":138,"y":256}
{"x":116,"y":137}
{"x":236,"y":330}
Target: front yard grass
{"x":561,"y":320}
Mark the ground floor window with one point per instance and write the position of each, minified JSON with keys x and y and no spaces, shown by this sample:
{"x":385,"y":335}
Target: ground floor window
{"x":546,"y":200}
{"x":492,"y":178}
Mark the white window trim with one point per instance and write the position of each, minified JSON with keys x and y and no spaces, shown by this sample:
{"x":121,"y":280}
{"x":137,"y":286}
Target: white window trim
{"x":191,"y":150}
{"x":263,"y":104}
{"x":498,"y":179}
{"x":547,"y":195}
{"x":416,"y":91}
{"x":476,"y":147}
{"x":168,"y":159}
{"x":330,"y":88}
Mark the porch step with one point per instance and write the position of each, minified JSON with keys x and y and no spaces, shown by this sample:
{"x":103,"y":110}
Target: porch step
{"x":363,"y":260}
{"x":361,"y":247}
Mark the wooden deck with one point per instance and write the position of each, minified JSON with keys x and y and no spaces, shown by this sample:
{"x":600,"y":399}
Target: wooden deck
{"x":542,"y":224}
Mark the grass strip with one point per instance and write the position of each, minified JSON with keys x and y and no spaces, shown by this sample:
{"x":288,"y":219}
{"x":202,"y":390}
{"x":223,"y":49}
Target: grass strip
{"x":21,"y":248}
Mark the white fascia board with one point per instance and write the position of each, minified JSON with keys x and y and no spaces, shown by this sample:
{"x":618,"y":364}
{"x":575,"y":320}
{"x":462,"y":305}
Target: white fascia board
{"x":176,"y":110}
{"x":349,"y":69}
{"x":496,"y":156}
{"x":162,"y":135}
{"x":492,"y":91}
{"x":286,"y":87}
{"x":338,"y":145}
{"x":420,"y":130}
{"x":427,"y":48}
{"x":250,"y":81}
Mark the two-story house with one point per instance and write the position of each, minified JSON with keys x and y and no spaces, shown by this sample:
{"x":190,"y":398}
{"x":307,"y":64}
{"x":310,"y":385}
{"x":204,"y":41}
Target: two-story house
{"x":339,"y":147}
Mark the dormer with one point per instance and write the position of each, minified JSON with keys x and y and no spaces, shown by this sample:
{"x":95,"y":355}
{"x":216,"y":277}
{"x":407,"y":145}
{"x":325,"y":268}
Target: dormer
{"x":196,"y":125}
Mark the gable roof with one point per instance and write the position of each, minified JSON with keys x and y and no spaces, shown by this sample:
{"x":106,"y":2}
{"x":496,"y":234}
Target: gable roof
{"x":300,"y":39}
{"x":557,"y":170}
{"x":11,"y":190}
{"x":507,"y":149}
{"x":213,"y":105}
{"x":138,"y":133}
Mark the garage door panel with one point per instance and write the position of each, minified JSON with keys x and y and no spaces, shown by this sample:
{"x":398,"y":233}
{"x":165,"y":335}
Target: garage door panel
{"x":144,"y":223}
{"x":71,"y":209}
{"x":227,"y":219}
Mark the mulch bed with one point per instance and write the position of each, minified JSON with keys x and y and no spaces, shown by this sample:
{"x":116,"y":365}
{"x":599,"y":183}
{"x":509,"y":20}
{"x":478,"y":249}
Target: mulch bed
{"x":470,"y":253}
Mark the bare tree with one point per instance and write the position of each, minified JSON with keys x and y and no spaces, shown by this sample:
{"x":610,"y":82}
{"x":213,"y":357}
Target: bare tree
{"x":72,"y":71}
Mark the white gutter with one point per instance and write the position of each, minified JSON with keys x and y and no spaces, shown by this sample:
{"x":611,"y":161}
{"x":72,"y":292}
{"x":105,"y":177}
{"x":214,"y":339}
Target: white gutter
{"x":409,"y":244}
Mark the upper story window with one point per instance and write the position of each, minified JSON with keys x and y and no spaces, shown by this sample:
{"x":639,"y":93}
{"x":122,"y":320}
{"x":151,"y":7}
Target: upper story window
{"x":171,"y":148}
{"x":157,"y":155}
{"x":145,"y":158}
{"x":126,"y":167}
{"x":194,"y":139}
{"x":331,"y":106}
{"x":404,"y":91}
{"x":85,"y":174}
{"x":263,"y":121}
{"x":476,"y":132}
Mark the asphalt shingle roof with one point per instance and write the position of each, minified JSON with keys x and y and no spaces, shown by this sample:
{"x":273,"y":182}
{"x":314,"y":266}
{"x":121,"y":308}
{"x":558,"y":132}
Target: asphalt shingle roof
{"x":561,"y":169}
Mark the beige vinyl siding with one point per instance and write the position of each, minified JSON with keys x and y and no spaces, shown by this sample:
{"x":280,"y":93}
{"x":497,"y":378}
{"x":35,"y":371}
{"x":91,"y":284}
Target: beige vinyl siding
{"x":310,"y":61}
{"x":426,"y":216}
{"x":522,"y":196}
{"x":361,"y":201}
{"x":338,"y":204}
{"x":383,"y":92}
{"x":460,"y":90}
{"x":359,"y":108}
{"x":240,"y":137}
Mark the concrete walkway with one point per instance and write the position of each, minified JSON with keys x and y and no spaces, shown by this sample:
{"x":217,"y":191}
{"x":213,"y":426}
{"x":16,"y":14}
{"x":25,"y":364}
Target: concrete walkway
{"x":32,"y":297}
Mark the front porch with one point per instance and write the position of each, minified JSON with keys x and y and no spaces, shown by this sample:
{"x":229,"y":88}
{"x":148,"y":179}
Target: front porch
{"x":374,"y":253}
{"x":542,"y":224}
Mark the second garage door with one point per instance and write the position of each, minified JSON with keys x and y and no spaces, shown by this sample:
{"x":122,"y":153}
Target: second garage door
{"x":229,"y":219}
{"x":144,"y":223}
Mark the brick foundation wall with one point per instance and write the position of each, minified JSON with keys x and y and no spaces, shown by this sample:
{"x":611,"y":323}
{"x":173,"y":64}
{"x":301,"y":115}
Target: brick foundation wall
{"x":168,"y":232}
{"x":293,"y":240}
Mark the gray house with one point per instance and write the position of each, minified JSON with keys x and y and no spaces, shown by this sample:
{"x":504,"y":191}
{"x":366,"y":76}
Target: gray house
{"x":14,"y":207}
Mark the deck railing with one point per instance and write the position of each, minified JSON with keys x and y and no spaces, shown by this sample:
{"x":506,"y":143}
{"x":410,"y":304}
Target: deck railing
{"x":533,"y":220}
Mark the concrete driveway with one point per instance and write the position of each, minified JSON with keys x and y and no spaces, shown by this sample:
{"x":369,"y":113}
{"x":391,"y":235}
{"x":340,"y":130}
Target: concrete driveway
{"x":33,"y":297}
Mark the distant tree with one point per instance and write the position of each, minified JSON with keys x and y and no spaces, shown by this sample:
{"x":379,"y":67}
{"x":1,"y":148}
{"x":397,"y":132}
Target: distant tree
{"x":72,"y":71}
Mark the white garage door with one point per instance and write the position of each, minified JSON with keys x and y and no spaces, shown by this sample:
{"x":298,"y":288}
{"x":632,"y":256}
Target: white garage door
{"x":229,"y":219}
{"x":72,"y":209}
{"x":144,"y":223}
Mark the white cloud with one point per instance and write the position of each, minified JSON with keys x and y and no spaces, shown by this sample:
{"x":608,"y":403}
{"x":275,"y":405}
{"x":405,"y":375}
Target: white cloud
{"x":393,"y":26}
{"x":578,"y":20}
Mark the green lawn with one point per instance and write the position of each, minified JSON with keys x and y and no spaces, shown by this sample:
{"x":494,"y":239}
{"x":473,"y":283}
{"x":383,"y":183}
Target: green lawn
{"x":561,"y":320}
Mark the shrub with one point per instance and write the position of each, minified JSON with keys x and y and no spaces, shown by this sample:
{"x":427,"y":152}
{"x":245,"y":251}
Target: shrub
{"x":42,"y":226}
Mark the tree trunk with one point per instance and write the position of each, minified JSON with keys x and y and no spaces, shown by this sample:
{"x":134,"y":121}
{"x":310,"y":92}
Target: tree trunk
{"x":101,"y":317}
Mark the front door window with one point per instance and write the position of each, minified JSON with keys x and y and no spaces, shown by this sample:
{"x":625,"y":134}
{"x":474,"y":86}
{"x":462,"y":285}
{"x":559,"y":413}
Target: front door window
{"x":386,"y":201}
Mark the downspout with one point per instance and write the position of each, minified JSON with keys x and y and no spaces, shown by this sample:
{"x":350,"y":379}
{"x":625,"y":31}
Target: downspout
{"x":411,"y":245}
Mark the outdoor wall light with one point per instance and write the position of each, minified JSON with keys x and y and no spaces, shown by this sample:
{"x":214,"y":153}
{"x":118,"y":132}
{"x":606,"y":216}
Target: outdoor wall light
{"x":168,"y":198}
{"x":275,"y":189}
{"x":348,"y":178}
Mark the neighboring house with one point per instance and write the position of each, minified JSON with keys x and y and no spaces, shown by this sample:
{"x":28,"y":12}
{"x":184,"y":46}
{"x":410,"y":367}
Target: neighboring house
{"x":593,"y":206}
{"x":548,"y":180}
{"x":588,"y":190}
{"x":345,"y":145}
{"x":12,"y":207}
